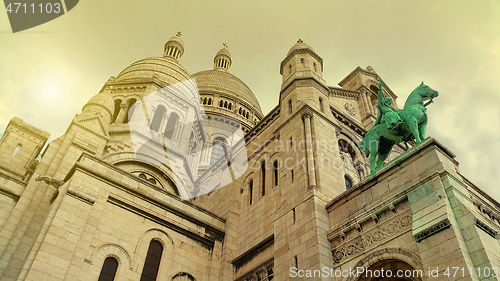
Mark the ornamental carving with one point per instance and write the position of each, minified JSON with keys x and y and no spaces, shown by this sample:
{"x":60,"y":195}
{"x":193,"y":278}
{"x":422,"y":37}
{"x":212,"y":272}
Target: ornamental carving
{"x":360,"y":244}
{"x":350,"y":108}
{"x":432,"y":230}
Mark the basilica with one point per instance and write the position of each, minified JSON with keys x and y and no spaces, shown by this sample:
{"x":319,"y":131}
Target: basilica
{"x":166,"y":175}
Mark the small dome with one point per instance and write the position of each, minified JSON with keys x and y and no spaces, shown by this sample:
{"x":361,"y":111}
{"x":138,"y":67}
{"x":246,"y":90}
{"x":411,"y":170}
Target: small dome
{"x":174,"y":47}
{"x":175,"y":39}
{"x":222,"y":60}
{"x":166,"y":69}
{"x":223,"y":51}
{"x":300,"y":45}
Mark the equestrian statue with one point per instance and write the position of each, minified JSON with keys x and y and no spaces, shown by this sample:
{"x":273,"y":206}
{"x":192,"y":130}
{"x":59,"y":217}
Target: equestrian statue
{"x":395,"y":126}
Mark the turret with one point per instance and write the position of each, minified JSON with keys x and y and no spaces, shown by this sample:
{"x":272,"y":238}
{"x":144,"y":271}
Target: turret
{"x":222,"y":60}
{"x":301,"y":62}
{"x":174,"y":48}
{"x":19,"y":146}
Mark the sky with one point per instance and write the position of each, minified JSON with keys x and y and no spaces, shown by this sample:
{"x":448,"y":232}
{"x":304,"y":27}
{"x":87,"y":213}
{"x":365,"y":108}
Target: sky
{"x":49,"y":72}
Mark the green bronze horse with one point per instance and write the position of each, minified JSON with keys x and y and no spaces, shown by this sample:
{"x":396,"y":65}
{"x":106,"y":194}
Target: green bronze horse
{"x":396,"y":126}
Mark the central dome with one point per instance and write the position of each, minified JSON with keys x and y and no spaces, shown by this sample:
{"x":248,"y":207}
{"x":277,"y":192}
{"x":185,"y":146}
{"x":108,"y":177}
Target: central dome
{"x":216,"y":81}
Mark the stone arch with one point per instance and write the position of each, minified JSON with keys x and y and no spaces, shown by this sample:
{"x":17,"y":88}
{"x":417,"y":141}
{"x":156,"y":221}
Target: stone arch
{"x":183,"y":276}
{"x":111,"y":250}
{"x":142,"y":246}
{"x":390,"y":254}
{"x":128,"y":162}
{"x":249,"y":189}
{"x":132,"y":103}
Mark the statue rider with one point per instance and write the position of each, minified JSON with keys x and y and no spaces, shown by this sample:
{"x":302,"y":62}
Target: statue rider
{"x":386,"y":113}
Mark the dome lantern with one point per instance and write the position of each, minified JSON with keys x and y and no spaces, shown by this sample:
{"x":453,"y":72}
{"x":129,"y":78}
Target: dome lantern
{"x":174,"y":48}
{"x":222,"y":60}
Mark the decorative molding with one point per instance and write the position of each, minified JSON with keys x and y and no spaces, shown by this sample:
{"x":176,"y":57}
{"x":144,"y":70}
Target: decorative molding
{"x":493,"y":233}
{"x":377,"y":236}
{"x":432,"y":230}
{"x":264,"y":123}
{"x":22,"y":128}
{"x":206,"y":238}
{"x":80,"y":193}
{"x":347,"y":121}
{"x":112,"y":89}
{"x":250,"y":253}
{"x":343,"y":93}
{"x":82,"y":197}
{"x":304,"y":82}
{"x":264,"y":271}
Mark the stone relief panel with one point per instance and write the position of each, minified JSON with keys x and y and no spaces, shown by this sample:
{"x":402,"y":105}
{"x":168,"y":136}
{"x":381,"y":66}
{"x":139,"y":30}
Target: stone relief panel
{"x":371,"y":239}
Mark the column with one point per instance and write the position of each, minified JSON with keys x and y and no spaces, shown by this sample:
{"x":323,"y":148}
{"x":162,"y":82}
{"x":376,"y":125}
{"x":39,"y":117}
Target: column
{"x":122,"y":114}
{"x":309,"y":150}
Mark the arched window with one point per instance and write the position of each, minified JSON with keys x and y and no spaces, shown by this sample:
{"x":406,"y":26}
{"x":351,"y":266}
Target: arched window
{"x":183,"y":276}
{"x":169,"y":129}
{"x":152,"y":263}
{"x":230,"y":106}
{"x":290,"y":69}
{"x":263,"y":175}
{"x":204,"y":100}
{"x":131,"y":109}
{"x":321,"y":104}
{"x":218,"y":150}
{"x":209,"y":101}
{"x":221,"y":103}
{"x":314,"y":65}
{"x":290,"y":106}
{"x":158,"y":117}
{"x":348,"y":183}
{"x":117,"y":110}
{"x":108,"y":270}
{"x":302,"y":62}
{"x":250,"y":191}
{"x":225,"y":104}
{"x":16,"y":150}
{"x":247,"y":115}
{"x":275,"y":174}
{"x":239,"y":111}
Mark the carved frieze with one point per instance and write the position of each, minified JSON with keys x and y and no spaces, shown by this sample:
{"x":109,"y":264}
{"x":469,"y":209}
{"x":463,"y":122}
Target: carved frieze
{"x":372,"y":238}
{"x":350,"y":108}
{"x":432,"y":230}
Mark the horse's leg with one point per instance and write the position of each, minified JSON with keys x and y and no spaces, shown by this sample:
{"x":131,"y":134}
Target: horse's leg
{"x":381,"y":159}
{"x":413,"y":125}
{"x":373,"y":152}
{"x":421,"y":130}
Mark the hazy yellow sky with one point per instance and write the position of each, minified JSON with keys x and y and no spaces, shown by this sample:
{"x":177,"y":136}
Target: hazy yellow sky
{"x":47,"y":73}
